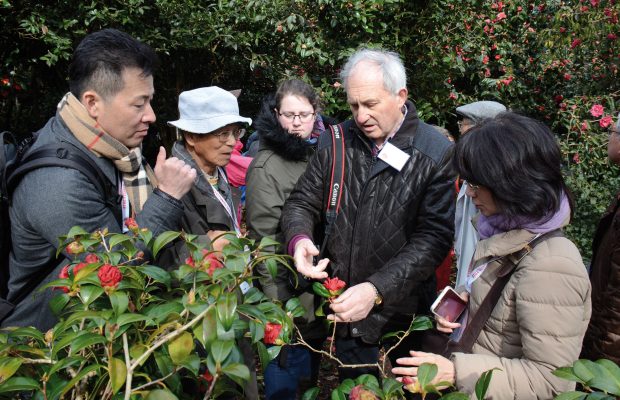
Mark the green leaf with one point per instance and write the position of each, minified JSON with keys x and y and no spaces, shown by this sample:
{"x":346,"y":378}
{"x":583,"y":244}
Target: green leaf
{"x":367,"y":380}
{"x":567,"y":373}
{"x":71,"y":384}
{"x":76,"y":231}
{"x":119,"y":301}
{"x":267,"y":241}
{"x":19,"y":383}
{"x":27,"y":332}
{"x":320,"y":290}
{"x":294,"y":307}
{"x":455,"y":396}
{"x":129,"y":318}
{"x":64,"y":363}
{"x":392,"y":386}
{"x":116,"y":239}
{"x":607,"y":377}
{"x":237,"y":372}
{"x":220,"y":349}
{"x":421,"y":323}
{"x":209,"y":327}
{"x":482,"y":384}
{"x":156,"y":273}
{"x":571,"y":396}
{"x":347,"y":385}
{"x":180,"y":348}
{"x":311,"y":394}
{"x":58,"y":303}
{"x":337,"y":394}
{"x":253,"y":296}
{"x":226,"y":309}
{"x":272,"y":267}
{"x":85,"y":340}
{"x":117,"y":370}
{"x":160,"y":312}
{"x":90,"y":293}
{"x":426,"y":373}
{"x":585,"y":369}
{"x":161,"y":394}
{"x":162,"y":240}
{"x":8,"y":366}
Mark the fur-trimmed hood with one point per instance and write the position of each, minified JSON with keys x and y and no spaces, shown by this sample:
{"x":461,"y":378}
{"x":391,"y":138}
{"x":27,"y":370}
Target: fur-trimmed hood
{"x":274,"y":137}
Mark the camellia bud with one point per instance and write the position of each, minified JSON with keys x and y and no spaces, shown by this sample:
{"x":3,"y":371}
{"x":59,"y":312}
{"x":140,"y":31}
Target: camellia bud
{"x":49,"y":336}
{"x":74,"y":248}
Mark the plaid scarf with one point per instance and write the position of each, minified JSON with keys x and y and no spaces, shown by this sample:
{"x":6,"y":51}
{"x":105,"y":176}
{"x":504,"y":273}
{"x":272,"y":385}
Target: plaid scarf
{"x":138,"y":176}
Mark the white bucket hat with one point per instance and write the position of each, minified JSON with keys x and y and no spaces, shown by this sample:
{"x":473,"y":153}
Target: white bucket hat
{"x":207,"y":109}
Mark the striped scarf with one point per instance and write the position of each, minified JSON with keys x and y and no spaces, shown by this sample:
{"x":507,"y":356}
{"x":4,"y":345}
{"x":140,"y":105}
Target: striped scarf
{"x":138,"y":176}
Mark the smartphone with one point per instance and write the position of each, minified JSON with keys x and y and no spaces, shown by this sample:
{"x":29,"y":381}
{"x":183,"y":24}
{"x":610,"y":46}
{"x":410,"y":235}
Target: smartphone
{"x":449,"y":305}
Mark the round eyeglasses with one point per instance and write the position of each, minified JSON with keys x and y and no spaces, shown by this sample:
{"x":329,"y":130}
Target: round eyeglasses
{"x":303,"y":116}
{"x":224,"y":135}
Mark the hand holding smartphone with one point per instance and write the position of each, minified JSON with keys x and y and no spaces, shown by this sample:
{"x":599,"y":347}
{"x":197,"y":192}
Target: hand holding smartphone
{"x":449,"y":305}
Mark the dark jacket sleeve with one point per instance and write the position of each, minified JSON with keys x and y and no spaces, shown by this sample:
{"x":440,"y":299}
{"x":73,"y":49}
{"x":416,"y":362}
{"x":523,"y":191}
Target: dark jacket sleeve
{"x":428,"y":243}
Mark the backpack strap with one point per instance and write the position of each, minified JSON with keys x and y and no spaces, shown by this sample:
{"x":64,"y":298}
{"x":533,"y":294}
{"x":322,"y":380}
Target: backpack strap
{"x":336,"y":182}
{"x":67,"y":156}
{"x":508,"y":267}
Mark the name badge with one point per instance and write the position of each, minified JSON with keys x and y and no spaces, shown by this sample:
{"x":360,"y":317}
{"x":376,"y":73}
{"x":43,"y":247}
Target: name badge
{"x":394,"y":156}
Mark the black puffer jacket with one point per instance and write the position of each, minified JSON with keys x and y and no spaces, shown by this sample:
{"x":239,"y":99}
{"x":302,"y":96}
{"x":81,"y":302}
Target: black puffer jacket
{"x":394,"y":228}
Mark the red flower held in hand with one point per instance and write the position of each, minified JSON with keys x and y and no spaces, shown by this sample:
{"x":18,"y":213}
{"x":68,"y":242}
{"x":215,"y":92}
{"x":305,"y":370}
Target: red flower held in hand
{"x":272,"y":331}
{"x":109,"y":276}
{"x":597,"y":110}
{"x":211,"y":259}
{"x":334,"y":286}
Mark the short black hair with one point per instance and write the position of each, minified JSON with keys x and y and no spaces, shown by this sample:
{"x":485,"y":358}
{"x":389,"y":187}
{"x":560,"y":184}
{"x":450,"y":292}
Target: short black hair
{"x":297,"y":87}
{"x":100,"y":58}
{"x":518,"y":159}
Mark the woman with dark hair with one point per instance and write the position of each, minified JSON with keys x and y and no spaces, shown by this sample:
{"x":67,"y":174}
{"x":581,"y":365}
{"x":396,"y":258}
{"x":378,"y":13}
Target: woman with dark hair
{"x":288,"y":127}
{"x":512,"y":164}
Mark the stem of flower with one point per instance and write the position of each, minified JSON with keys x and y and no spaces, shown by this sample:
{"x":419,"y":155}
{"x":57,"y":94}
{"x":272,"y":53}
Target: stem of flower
{"x":129,"y":377}
{"x":208,"y":394}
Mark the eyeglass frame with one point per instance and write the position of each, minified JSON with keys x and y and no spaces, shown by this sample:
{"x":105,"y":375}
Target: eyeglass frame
{"x":474,"y":187}
{"x":291,"y":118}
{"x":224,"y":135}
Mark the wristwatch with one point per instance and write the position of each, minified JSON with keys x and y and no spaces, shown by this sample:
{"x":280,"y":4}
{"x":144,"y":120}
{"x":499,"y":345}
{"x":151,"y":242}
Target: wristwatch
{"x":378,"y":298}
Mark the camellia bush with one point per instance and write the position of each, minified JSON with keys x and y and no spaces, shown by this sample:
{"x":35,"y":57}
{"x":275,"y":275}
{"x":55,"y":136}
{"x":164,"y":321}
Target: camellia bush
{"x":130,"y":330}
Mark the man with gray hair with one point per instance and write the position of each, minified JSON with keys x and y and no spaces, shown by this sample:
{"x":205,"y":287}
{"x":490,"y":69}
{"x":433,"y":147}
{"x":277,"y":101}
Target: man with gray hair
{"x":466,"y":236}
{"x":396,"y":219}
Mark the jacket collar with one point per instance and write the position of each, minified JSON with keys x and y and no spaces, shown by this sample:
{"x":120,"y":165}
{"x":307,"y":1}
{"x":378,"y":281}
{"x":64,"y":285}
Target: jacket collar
{"x":179,"y":151}
{"x":405,"y":134}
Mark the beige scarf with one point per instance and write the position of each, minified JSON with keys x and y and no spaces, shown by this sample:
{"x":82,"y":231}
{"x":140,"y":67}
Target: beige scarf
{"x":138,"y":176}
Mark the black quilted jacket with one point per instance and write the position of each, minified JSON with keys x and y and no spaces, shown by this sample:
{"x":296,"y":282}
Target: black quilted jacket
{"x":394,"y":228}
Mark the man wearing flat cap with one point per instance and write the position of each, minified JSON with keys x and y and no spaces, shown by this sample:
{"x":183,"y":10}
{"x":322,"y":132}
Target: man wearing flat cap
{"x":465,"y":235}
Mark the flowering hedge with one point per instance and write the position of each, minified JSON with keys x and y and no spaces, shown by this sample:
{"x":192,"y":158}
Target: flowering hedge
{"x":552,"y":59}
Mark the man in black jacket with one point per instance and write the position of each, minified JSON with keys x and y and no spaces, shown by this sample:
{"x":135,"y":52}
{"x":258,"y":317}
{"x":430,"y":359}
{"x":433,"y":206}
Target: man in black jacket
{"x":396,"y":220}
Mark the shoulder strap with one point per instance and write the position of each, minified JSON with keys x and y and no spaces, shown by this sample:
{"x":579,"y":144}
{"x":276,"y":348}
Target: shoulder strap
{"x":56,"y":156}
{"x":509,"y":265}
{"x":336,"y":182}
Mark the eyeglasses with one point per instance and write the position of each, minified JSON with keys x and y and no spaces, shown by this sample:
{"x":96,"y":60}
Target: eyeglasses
{"x":474,"y":187}
{"x":224,"y":135}
{"x":303,"y":116}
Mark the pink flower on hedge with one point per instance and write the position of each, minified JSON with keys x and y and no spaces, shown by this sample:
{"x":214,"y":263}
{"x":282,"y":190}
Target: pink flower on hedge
{"x":485,"y":59}
{"x":597,"y":110}
{"x":612,"y":36}
{"x":109,"y":276}
{"x":576,"y":158}
{"x":567,"y":77}
{"x":501,"y":16}
{"x":605,"y":121}
{"x":272,"y":331}
{"x":575,"y":43}
{"x":595,"y":3}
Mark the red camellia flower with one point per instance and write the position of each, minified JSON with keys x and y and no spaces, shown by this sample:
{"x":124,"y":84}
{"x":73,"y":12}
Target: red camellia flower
{"x":605,"y":121}
{"x":91,"y":258}
{"x":576,"y":158}
{"x":190,"y":261}
{"x":109,"y":276}
{"x":567,"y":77}
{"x":78,"y":267}
{"x":595,"y":3}
{"x":74,"y":248}
{"x":131,"y":224}
{"x":334,"y":286}
{"x":612,"y":36}
{"x":485,"y":59}
{"x":211,"y":259}
{"x":272,"y":331}
{"x":361,"y":393}
{"x":575,"y":43}
{"x":207,"y":376}
{"x":597,"y":110}
{"x":501,"y":16}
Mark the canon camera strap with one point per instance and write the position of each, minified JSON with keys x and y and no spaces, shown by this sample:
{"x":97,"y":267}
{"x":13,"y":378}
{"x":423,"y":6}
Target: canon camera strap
{"x":335,"y":184}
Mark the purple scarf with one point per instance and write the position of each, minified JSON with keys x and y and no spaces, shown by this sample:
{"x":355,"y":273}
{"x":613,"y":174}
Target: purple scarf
{"x":498,"y":223}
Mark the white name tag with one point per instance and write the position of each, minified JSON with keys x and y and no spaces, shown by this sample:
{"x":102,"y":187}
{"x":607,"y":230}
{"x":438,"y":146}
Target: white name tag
{"x":394,"y":156}
{"x":244,"y":286}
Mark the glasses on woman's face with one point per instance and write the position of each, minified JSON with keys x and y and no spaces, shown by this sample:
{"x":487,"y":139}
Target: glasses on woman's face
{"x":225,"y":134}
{"x":474,"y":187}
{"x":303,"y":116}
